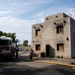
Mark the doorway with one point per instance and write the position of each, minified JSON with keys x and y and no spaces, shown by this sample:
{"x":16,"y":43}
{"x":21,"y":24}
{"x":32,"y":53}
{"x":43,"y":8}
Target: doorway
{"x":47,"y":50}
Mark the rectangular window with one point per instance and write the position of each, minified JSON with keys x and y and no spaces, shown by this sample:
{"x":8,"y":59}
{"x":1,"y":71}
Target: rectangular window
{"x":60,"y":47}
{"x":5,"y":42}
{"x":38,"y":33}
{"x":60,"y":29}
{"x":38,"y":47}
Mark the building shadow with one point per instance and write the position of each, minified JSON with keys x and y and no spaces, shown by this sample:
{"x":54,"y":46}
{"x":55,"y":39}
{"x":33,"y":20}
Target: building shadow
{"x":66,"y":72}
{"x":10,"y":60}
{"x":52,"y":52}
{"x":20,"y":70}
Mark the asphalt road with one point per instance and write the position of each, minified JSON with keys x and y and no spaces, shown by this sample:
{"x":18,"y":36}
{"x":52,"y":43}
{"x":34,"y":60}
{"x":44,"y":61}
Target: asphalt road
{"x":22,"y":67}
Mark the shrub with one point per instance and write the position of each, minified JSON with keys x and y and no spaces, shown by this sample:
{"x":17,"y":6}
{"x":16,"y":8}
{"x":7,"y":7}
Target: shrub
{"x":57,"y":56}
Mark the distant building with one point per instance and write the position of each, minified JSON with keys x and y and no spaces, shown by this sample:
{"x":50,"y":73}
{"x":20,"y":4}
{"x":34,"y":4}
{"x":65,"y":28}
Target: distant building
{"x":55,"y":37}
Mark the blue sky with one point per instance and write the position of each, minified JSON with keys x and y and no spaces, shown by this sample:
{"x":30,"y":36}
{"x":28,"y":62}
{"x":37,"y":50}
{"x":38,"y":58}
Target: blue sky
{"x":19,"y":15}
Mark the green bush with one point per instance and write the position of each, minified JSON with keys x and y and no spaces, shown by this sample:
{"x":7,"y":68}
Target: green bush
{"x":57,"y":56}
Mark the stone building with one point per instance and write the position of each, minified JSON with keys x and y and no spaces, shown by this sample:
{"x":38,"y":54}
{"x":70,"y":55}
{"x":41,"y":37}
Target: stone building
{"x":55,"y":37}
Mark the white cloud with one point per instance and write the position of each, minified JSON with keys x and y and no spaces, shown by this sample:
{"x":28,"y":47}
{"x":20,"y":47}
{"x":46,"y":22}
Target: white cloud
{"x":71,"y":12}
{"x":16,"y":7}
{"x":5,"y":13}
{"x":56,"y":10}
{"x":21,"y":27}
{"x":37,"y":1}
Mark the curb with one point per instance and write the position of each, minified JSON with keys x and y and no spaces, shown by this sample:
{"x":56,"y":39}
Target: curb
{"x":50,"y":62}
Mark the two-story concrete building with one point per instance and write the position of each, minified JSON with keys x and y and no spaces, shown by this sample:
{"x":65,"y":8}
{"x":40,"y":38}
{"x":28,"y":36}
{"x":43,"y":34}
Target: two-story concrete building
{"x":55,"y":37}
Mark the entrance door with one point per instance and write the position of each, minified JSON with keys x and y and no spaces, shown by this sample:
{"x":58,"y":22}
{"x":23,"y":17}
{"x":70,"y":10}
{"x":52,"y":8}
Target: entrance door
{"x":47,"y":50}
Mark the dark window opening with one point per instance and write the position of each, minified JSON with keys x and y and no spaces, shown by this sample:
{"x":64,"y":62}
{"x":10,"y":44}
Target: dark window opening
{"x":60,"y":47}
{"x":56,"y":16}
{"x":35,"y":27}
{"x":33,"y":41}
{"x":38,"y":47}
{"x":59,"y":29}
{"x":5,"y":42}
{"x":54,"y":23}
{"x":67,"y":38}
{"x":41,"y":26}
{"x":64,"y":21}
{"x":38,"y":32}
{"x":46,"y":18}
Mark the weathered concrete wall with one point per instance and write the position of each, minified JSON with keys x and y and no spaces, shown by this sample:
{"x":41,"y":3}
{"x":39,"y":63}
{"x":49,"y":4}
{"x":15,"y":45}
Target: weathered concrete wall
{"x":62,"y":38}
{"x":50,"y":37}
{"x":72,"y":28}
{"x":55,"y":17}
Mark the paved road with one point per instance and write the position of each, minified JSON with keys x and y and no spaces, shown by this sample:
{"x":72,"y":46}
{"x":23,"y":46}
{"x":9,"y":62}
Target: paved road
{"x":34,"y":68}
{"x":24,"y":53}
{"x":22,"y":67}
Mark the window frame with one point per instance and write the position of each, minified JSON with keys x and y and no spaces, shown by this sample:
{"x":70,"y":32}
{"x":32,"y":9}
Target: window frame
{"x":37,"y":46}
{"x":60,"y":29}
{"x":38,"y":32}
{"x":60,"y":46}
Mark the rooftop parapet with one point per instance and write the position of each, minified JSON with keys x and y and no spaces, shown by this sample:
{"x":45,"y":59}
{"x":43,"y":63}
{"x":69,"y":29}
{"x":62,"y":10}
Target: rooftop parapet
{"x":56,"y":16}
